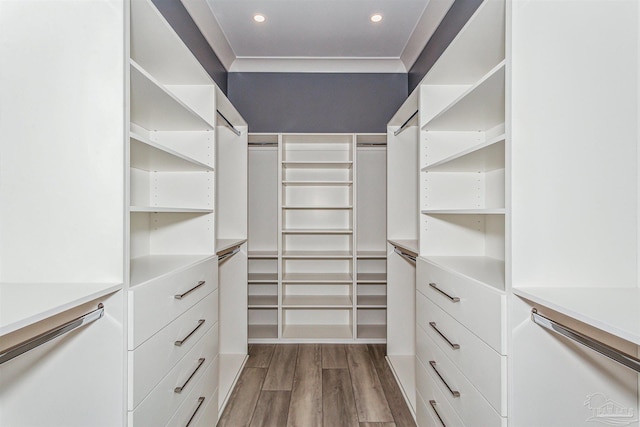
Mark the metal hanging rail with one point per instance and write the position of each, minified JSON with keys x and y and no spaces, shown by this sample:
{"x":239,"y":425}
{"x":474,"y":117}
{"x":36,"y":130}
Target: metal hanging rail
{"x":404,"y":125}
{"x":47,"y":336}
{"x":229,"y":253}
{"x":602,"y":348}
{"x":263,"y":144}
{"x":231,"y":126}
{"x":404,"y":254}
{"x":372,"y":144}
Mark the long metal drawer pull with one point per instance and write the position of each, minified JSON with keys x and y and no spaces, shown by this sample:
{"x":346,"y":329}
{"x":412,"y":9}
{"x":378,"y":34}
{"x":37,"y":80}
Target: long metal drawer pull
{"x":454,"y":393}
{"x":435,"y":328}
{"x":183,"y":340}
{"x":433,"y":404}
{"x":452,"y":299}
{"x":403,"y":254}
{"x":602,"y":348}
{"x":180,"y":296}
{"x":180,"y":388}
{"x":200,"y":402}
{"x":229,"y":254}
{"x":47,"y":336}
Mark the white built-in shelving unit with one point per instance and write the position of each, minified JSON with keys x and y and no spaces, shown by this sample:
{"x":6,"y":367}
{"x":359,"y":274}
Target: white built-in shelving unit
{"x":308,"y":264}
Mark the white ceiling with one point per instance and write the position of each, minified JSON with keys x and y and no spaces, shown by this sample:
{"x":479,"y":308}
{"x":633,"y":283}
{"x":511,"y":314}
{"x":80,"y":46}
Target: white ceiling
{"x":317,"y":35}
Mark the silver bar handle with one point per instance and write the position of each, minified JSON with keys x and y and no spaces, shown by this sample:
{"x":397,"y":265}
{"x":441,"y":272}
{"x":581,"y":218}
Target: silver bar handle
{"x":180,"y":296}
{"x":180,"y":388}
{"x":454,"y":393}
{"x":403,"y":254}
{"x":183,"y":340}
{"x":200,"y":402}
{"x":600,"y":347}
{"x":444,"y":337}
{"x":229,"y":254}
{"x":47,"y":336}
{"x":433,"y":404}
{"x":452,"y":299}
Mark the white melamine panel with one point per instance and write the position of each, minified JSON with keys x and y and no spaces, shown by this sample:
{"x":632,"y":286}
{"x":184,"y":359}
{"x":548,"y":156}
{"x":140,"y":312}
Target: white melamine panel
{"x":371,"y":266}
{"x":317,"y":266}
{"x":160,"y":405}
{"x":485,"y":156}
{"x":316,"y":301}
{"x":424,"y":418}
{"x":373,"y":290}
{"x":317,"y":278}
{"x":317,"y":254}
{"x":264,"y":317}
{"x":229,"y":370}
{"x":483,"y":366}
{"x":318,"y":218}
{"x":199,"y":98}
{"x":317,"y":195}
{"x":149,"y":155}
{"x":401,"y":285}
{"x":193,"y":410}
{"x":463,"y":190}
{"x":318,"y":148}
{"x":262,"y":266}
{"x":575,"y":385}
{"x":61,"y":155}
{"x":153,"y":304}
{"x":263,"y":200}
{"x":232,"y":273}
{"x":185,"y":190}
{"x":210,"y":416}
{"x":471,"y":406}
{"x":55,"y":384}
{"x":481,"y":308}
{"x":320,"y":241}
{"x":150,"y":362}
{"x":331,"y":172}
{"x":583,"y":202}
{"x":404,"y":371}
{"x":195,"y":144}
{"x":371,"y":198}
{"x":402,"y":183}
{"x":157,"y":47}
{"x":441,"y":410}
{"x":261,"y":300}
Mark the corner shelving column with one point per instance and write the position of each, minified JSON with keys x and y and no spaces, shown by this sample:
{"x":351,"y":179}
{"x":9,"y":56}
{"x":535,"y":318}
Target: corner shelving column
{"x":317,"y":244}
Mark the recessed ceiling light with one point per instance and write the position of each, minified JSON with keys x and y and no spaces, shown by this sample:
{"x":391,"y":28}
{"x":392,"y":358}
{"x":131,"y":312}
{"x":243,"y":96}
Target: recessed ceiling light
{"x":258,"y":17}
{"x":376,"y":17}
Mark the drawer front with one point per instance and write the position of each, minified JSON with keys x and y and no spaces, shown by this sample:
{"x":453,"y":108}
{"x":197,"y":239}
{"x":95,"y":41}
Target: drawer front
{"x":151,"y":361}
{"x":210,"y":416}
{"x":481,"y":364}
{"x":195,"y":407}
{"x":480,"y":308}
{"x":469,"y":404}
{"x":432,"y":403}
{"x":154,"y":304}
{"x":163,"y":401}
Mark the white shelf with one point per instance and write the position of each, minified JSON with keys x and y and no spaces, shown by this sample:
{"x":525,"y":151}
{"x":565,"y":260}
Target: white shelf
{"x":263,"y":277}
{"x":263,"y":301}
{"x":318,"y":183}
{"x":317,"y":254}
{"x":319,"y":164}
{"x":151,"y":156}
{"x":485,"y":270}
{"x":480,"y":108}
{"x":377,"y":332}
{"x":409,"y":245}
{"x":316,"y":301}
{"x":372,"y":254}
{"x":483,"y":157}
{"x":263,"y":254}
{"x":498,"y":211}
{"x":372,"y":301}
{"x":317,"y":231}
{"x":164,"y":209}
{"x":317,"y":207}
{"x":23,"y":304}
{"x":155,"y":108}
{"x":146,"y":268}
{"x":224,"y":244}
{"x":613,"y":310}
{"x":263,"y":331}
{"x":317,"y":278}
{"x":372,"y":278}
{"x":317,"y":332}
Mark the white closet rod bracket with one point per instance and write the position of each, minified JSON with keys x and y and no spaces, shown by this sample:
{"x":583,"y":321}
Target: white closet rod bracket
{"x":404,"y":125}
{"x":602,"y":348}
{"x":47,"y":336}
{"x":231,"y":126}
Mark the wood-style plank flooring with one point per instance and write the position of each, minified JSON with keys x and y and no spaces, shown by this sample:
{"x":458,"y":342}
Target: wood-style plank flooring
{"x":316,"y":385}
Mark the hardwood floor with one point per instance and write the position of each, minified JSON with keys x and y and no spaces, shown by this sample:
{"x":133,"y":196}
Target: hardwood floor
{"x":316,"y":385}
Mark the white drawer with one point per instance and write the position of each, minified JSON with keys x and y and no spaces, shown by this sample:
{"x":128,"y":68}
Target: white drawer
{"x":480,"y":308}
{"x":209,"y":418}
{"x":195,"y":407}
{"x":429,"y":399}
{"x":160,"y":405}
{"x":470,"y":405}
{"x":151,"y":361}
{"x":481,"y":364}
{"x":154,"y":304}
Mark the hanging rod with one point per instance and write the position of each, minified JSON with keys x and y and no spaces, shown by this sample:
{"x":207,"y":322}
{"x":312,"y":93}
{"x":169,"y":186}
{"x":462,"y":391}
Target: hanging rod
{"x":263,"y":144}
{"x":404,"y":125}
{"x":231,"y":126}
{"x":47,"y":336}
{"x":602,"y":348}
{"x":372,"y":144}
{"x":229,"y":253}
{"x":403,"y":254}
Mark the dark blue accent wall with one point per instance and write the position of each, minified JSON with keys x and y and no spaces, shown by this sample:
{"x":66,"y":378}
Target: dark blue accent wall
{"x":178,"y":17}
{"x":451,"y":24}
{"x":317,"y":102}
